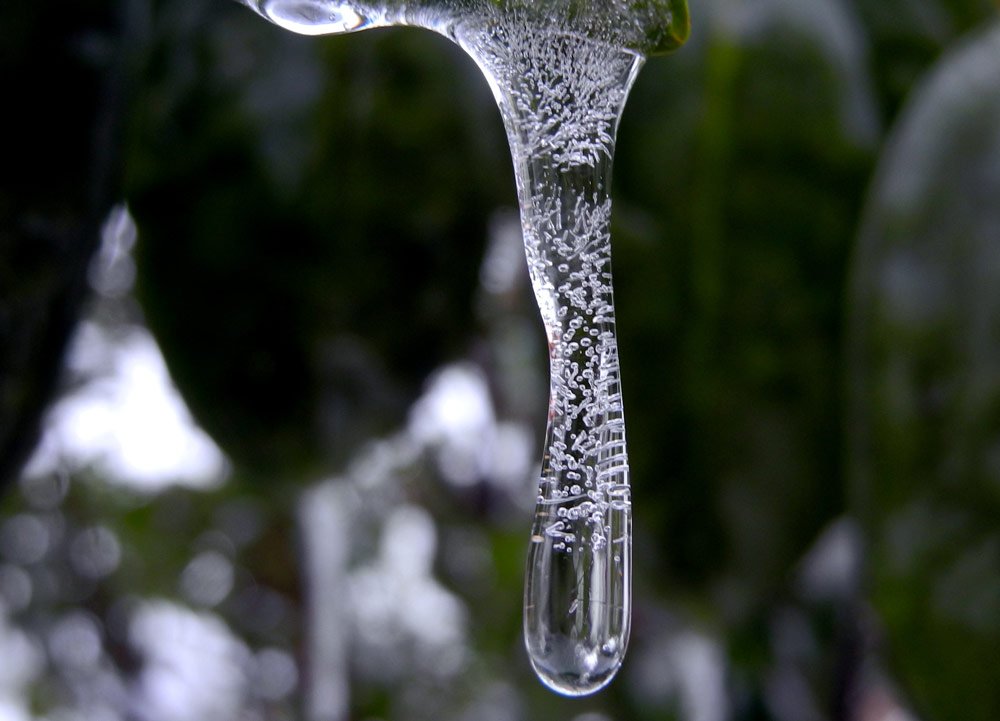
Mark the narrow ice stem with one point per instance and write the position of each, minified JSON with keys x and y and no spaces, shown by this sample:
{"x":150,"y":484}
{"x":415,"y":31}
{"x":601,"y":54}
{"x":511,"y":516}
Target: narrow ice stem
{"x":561,"y":97}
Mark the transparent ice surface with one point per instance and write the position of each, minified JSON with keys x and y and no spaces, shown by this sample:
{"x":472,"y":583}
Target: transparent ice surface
{"x":561,"y":96}
{"x":560,"y":76}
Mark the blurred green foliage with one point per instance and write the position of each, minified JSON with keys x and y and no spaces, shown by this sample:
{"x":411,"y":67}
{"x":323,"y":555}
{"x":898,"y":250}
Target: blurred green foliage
{"x":926,"y":373}
{"x":313,"y":216}
{"x":305,"y":213}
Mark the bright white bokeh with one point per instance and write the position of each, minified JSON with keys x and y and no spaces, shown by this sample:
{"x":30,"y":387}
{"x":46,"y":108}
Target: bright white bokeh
{"x":456,"y":419}
{"x":194,"y":667}
{"x":127,"y":420}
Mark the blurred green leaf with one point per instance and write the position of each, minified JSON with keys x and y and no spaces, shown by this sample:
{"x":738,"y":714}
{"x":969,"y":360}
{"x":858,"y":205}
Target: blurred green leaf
{"x":926,"y":385}
{"x":908,"y":35}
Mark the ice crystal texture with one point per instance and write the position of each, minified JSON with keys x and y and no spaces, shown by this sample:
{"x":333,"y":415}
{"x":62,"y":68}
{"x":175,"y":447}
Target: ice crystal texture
{"x":560,"y":76}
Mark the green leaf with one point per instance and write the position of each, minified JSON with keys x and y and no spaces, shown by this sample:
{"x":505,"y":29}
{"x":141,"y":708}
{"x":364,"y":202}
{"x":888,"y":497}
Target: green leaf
{"x":926,"y":397}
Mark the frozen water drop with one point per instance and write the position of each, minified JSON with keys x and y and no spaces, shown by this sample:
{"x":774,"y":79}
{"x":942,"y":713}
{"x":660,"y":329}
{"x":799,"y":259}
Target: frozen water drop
{"x":561,"y":97}
{"x":560,"y":72}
